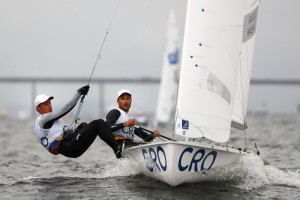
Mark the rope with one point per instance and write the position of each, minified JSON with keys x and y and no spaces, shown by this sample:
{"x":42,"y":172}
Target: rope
{"x":76,"y":118}
{"x":139,"y":134}
{"x":104,"y":39}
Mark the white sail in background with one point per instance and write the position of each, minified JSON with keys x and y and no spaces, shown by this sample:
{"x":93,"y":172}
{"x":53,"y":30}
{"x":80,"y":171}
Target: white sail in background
{"x":169,"y":77}
{"x":209,"y":69}
{"x":244,"y":74}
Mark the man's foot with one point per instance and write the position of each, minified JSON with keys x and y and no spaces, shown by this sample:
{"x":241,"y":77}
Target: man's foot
{"x":118,"y":152}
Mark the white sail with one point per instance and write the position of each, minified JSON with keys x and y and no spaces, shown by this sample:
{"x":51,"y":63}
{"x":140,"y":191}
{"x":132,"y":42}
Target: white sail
{"x":169,"y":76}
{"x":244,"y":74}
{"x":209,"y":68}
{"x":216,"y":58}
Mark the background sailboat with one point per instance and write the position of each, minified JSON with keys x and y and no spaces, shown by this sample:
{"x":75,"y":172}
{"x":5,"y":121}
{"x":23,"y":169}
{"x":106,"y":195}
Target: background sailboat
{"x":212,"y":95}
{"x":169,"y":77}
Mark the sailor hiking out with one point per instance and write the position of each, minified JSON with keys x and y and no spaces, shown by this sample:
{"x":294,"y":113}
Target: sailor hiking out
{"x":55,"y":136}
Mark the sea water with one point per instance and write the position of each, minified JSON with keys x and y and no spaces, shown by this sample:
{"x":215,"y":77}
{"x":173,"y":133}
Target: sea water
{"x":27,"y":171}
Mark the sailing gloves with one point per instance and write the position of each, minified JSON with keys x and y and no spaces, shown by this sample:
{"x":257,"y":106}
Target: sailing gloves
{"x":83,"y":90}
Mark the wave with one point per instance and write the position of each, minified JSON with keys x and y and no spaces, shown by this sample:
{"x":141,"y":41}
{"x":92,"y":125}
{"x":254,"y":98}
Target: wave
{"x":251,"y":172}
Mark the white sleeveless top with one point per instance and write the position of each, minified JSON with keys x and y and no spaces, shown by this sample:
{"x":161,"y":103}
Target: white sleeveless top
{"x":125,"y":132}
{"x":48,"y":136}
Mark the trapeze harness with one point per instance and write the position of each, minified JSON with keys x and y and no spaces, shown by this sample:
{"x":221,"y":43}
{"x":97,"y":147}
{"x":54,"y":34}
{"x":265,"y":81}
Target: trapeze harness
{"x":50,"y":138}
{"x":115,"y":119}
{"x":50,"y":128}
{"x":125,"y":132}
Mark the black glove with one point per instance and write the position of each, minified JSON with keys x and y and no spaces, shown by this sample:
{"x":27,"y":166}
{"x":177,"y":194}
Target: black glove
{"x":84,"y":90}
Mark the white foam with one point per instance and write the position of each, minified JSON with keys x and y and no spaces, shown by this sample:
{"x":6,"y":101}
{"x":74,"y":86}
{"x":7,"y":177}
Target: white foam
{"x":124,"y":167}
{"x":250,"y":172}
{"x":283,"y":177}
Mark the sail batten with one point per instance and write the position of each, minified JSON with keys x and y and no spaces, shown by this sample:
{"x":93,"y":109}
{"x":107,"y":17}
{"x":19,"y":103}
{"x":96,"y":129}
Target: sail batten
{"x":210,"y":89}
{"x":238,"y":125}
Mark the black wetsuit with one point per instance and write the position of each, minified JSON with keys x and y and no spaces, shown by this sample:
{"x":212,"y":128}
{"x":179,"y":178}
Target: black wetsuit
{"x":75,"y":143}
{"x":111,"y":119}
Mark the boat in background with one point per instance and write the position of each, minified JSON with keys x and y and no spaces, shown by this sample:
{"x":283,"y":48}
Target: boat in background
{"x":166,"y":102}
{"x":212,"y":96}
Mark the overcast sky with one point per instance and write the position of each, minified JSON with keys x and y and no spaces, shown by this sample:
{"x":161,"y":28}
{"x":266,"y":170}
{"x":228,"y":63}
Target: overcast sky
{"x":62,"y":38}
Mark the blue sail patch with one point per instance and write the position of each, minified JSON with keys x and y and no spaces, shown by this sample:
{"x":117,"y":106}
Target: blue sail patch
{"x":185,"y":124}
{"x":173,"y":57}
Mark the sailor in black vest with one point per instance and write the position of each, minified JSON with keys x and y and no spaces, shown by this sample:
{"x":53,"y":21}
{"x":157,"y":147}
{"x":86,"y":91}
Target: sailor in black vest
{"x":123,"y":124}
{"x":55,"y":136}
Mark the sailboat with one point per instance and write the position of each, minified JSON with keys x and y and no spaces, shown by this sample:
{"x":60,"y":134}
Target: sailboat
{"x":169,"y":76}
{"x":212,"y":96}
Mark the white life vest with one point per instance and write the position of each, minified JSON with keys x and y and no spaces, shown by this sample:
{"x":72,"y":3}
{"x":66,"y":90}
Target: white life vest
{"x":50,"y":138}
{"x":125,"y":132}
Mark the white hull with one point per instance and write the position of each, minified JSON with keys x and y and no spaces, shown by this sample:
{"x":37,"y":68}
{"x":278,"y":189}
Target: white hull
{"x":181,"y":162}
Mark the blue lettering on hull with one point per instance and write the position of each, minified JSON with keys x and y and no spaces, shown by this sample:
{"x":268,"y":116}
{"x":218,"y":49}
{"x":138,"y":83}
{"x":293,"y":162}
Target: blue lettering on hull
{"x":188,"y":160}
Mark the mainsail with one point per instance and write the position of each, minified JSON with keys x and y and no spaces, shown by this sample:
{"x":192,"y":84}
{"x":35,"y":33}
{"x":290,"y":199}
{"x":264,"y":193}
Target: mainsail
{"x":169,"y":77}
{"x":210,"y":68}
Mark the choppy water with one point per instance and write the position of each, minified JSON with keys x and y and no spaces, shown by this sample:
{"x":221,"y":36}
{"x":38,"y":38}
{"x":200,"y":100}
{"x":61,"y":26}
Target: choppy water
{"x":27,"y":171}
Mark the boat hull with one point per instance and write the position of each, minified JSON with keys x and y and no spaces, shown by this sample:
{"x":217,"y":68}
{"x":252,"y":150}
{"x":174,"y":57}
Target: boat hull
{"x":177,"y":162}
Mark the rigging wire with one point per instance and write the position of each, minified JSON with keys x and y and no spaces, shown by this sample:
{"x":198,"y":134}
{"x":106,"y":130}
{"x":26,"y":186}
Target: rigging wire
{"x":242,"y":101}
{"x":104,"y":39}
{"x":76,"y":118}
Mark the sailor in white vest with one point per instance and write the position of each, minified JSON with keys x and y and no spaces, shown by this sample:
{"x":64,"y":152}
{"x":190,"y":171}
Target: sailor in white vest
{"x":55,"y":136}
{"x":123,"y":124}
